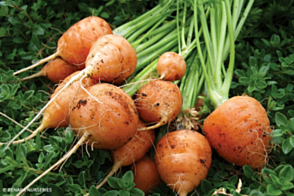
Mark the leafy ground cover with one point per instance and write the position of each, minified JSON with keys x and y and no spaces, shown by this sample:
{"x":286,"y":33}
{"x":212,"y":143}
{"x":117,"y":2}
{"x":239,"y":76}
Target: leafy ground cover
{"x":264,"y":69}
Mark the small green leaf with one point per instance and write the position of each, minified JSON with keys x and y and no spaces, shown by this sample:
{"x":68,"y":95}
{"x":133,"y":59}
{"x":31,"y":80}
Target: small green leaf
{"x":281,"y":119}
{"x":287,"y":186}
{"x":286,"y":146}
{"x":252,"y":61}
{"x":128,"y":176}
{"x":37,"y":30}
{"x":2,"y":31}
{"x":28,"y":94}
{"x":206,"y":186}
{"x":112,"y":181}
{"x":287,"y":173}
{"x":136,"y":192}
{"x":248,"y":171}
{"x":271,"y":189}
{"x":265,"y":174}
{"x":111,"y":193}
{"x":56,"y":190}
{"x":81,"y":179}
{"x":124,"y":193}
{"x":277,"y":133}
{"x":93,"y":191}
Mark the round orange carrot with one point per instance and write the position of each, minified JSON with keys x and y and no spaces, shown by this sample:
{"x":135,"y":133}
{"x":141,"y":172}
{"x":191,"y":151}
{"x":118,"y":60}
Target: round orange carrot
{"x":159,"y":102}
{"x":132,"y":151}
{"x":103,"y":116}
{"x":171,"y":66}
{"x":55,"y":70}
{"x":74,"y":45}
{"x":146,"y":176}
{"x":239,"y":130}
{"x":183,"y":159}
{"x":57,"y":113}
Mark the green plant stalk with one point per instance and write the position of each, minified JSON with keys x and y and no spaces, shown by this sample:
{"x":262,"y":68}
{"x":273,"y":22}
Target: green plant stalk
{"x":153,"y":35}
{"x":130,"y":27}
{"x":144,"y":27}
{"x":238,"y":28}
{"x":218,"y":91}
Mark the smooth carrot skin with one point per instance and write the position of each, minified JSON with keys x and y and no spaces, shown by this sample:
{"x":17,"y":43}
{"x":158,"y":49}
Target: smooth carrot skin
{"x":171,"y":66}
{"x":146,"y":176}
{"x":74,"y":45}
{"x":183,"y":159}
{"x":159,"y":102}
{"x":239,"y":130}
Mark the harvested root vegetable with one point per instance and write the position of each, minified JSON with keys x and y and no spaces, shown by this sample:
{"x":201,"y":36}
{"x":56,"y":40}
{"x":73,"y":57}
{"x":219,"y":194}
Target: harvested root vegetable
{"x":171,"y":66}
{"x":103,"y":116}
{"x":107,"y":114}
{"x":158,"y":102}
{"x":109,"y":59}
{"x":239,"y":130}
{"x":55,"y":70}
{"x":132,"y":151}
{"x":183,"y":159}
{"x":57,"y":113}
{"x":74,"y":45}
{"x":146,"y":182}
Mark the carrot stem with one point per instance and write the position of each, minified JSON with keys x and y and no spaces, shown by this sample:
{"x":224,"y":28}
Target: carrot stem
{"x":42,"y":61}
{"x":85,"y":136}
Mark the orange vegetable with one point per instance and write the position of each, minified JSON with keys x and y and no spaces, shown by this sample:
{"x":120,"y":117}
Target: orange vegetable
{"x":55,"y":70}
{"x":171,"y":66}
{"x":158,"y":102}
{"x":132,"y":151}
{"x":239,"y":130}
{"x":146,"y":182}
{"x":103,"y":116}
{"x":108,"y":60}
{"x":57,"y":113}
{"x":74,"y":45}
{"x":183,"y":159}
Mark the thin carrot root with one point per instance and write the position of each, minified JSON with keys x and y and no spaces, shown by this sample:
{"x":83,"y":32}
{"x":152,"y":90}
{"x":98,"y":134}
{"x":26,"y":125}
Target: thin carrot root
{"x":38,"y":74}
{"x":114,"y":169}
{"x":34,"y":133}
{"x":65,"y":157}
{"x":42,"y":61}
{"x":73,"y":79}
{"x":162,"y":122}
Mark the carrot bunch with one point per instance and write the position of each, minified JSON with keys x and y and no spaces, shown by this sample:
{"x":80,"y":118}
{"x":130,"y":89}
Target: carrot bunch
{"x":156,"y":59}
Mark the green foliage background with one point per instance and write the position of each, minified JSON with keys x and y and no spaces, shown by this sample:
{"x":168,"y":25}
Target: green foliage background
{"x":30,"y":30}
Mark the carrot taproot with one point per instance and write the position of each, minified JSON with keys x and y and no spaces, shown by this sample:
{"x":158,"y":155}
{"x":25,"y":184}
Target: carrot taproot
{"x":55,"y":70}
{"x":158,"y":102}
{"x":146,"y":182}
{"x":74,"y":45}
{"x":183,"y":159}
